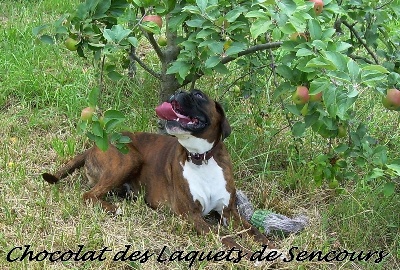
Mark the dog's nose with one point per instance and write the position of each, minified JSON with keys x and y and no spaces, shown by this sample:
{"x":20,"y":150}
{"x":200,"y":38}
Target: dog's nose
{"x":175,"y":96}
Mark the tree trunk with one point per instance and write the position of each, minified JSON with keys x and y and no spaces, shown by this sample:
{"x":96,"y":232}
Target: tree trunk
{"x":169,"y":83}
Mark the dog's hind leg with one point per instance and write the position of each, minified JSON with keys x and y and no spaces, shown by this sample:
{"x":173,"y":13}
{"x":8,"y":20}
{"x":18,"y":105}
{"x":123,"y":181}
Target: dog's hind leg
{"x":108,"y":171}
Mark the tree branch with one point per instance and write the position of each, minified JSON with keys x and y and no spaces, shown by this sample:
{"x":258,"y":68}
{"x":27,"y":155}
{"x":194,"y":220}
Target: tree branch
{"x":145,"y":67}
{"x":353,"y":56}
{"x":357,"y":35}
{"x":227,"y":59}
{"x":154,"y":44}
{"x":256,"y":48}
{"x":132,"y":65}
{"x":150,"y":37}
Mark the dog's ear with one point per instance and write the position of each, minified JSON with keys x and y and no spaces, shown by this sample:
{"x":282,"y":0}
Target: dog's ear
{"x":225,"y":126}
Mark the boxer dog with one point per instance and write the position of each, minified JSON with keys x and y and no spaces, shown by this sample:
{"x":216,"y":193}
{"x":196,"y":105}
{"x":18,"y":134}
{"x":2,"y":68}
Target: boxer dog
{"x":190,"y":171}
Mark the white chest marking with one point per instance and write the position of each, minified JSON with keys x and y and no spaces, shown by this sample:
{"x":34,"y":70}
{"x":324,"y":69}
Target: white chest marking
{"x":207,"y":185}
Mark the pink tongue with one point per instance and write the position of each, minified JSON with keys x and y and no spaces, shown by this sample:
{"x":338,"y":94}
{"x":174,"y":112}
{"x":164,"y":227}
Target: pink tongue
{"x":166,"y":112}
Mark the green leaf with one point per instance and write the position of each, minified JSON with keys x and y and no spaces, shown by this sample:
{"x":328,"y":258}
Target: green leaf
{"x":287,"y":6}
{"x":113,"y":114}
{"x":304,"y":52}
{"x":176,"y":21}
{"x":151,"y":27}
{"x":124,"y":139}
{"x":47,"y":39}
{"x":282,"y":88}
{"x":319,"y":45}
{"x":179,"y":67}
{"x":235,"y":48}
{"x":102,"y":142}
{"x":259,"y":27}
{"x":339,"y":75}
{"x":395,"y":168}
{"x":285,"y":71}
{"x":337,"y":59}
{"x":276,"y":34}
{"x":354,"y":70}
{"x":321,"y":62}
{"x":377,"y":68}
{"x":341,"y":148}
{"x":101,"y":9}
{"x":311,"y":119}
{"x":94,"y":97}
{"x":257,"y":14}
{"x":111,"y":124}
{"x":39,"y":29}
{"x":388,"y":189}
{"x":205,"y":33}
{"x":122,"y":148}
{"x":133,"y":41}
{"x":376,"y":173}
{"x":221,"y":68}
{"x":212,"y":61}
{"x":298,"y":129}
{"x":315,"y":29}
{"x":372,"y":77}
{"x":117,"y":33}
{"x":114,"y":76}
{"x":196,"y":23}
{"x":202,"y":4}
{"x":328,"y":33}
{"x":232,"y":15}
{"x":341,"y":46}
{"x":97,"y":130}
{"x":215,"y":47}
{"x":293,"y":109}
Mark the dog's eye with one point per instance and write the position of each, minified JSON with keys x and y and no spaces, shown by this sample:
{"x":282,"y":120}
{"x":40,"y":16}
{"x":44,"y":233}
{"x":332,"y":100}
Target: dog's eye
{"x":199,"y":95}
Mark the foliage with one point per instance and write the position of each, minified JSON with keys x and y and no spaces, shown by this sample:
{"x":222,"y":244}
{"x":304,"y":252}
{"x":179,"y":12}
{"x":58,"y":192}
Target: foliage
{"x":347,"y":50}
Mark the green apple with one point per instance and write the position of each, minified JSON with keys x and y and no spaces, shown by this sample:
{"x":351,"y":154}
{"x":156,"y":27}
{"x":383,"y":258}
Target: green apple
{"x":71,"y":44}
{"x":162,"y":41}
{"x":87,"y":113}
{"x":301,"y":95}
{"x":342,"y":131}
{"x":392,"y":99}
{"x":333,"y":184}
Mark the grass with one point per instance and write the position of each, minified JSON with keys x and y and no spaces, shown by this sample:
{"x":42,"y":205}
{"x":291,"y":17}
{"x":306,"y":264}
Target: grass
{"x":42,"y":90}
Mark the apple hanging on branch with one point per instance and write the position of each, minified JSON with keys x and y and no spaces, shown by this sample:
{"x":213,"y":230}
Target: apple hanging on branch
{"x":87,"y":113}
{"x":392,"y":99}
{"x":153,"y":18}
{"x":301,"y":95}
{"x":318,"y":6}
{"x":71,"y":44}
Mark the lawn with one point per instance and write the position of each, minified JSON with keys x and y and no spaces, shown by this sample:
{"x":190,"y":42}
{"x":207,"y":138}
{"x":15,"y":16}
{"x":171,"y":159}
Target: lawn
{"x":43,"y":88}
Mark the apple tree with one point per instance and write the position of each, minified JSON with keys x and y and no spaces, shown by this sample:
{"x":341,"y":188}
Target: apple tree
{"x":321,"y":55}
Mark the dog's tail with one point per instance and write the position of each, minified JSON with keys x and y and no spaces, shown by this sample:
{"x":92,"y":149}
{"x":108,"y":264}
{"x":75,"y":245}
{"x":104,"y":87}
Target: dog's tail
{"x":75,"y":163}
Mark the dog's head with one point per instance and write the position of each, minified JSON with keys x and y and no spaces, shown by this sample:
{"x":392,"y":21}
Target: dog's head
{"x":195,"y":119}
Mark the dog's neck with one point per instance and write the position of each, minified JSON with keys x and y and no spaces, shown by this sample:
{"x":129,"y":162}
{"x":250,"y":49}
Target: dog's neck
{"x":198,"y":150}
{"x":199,"y":159}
